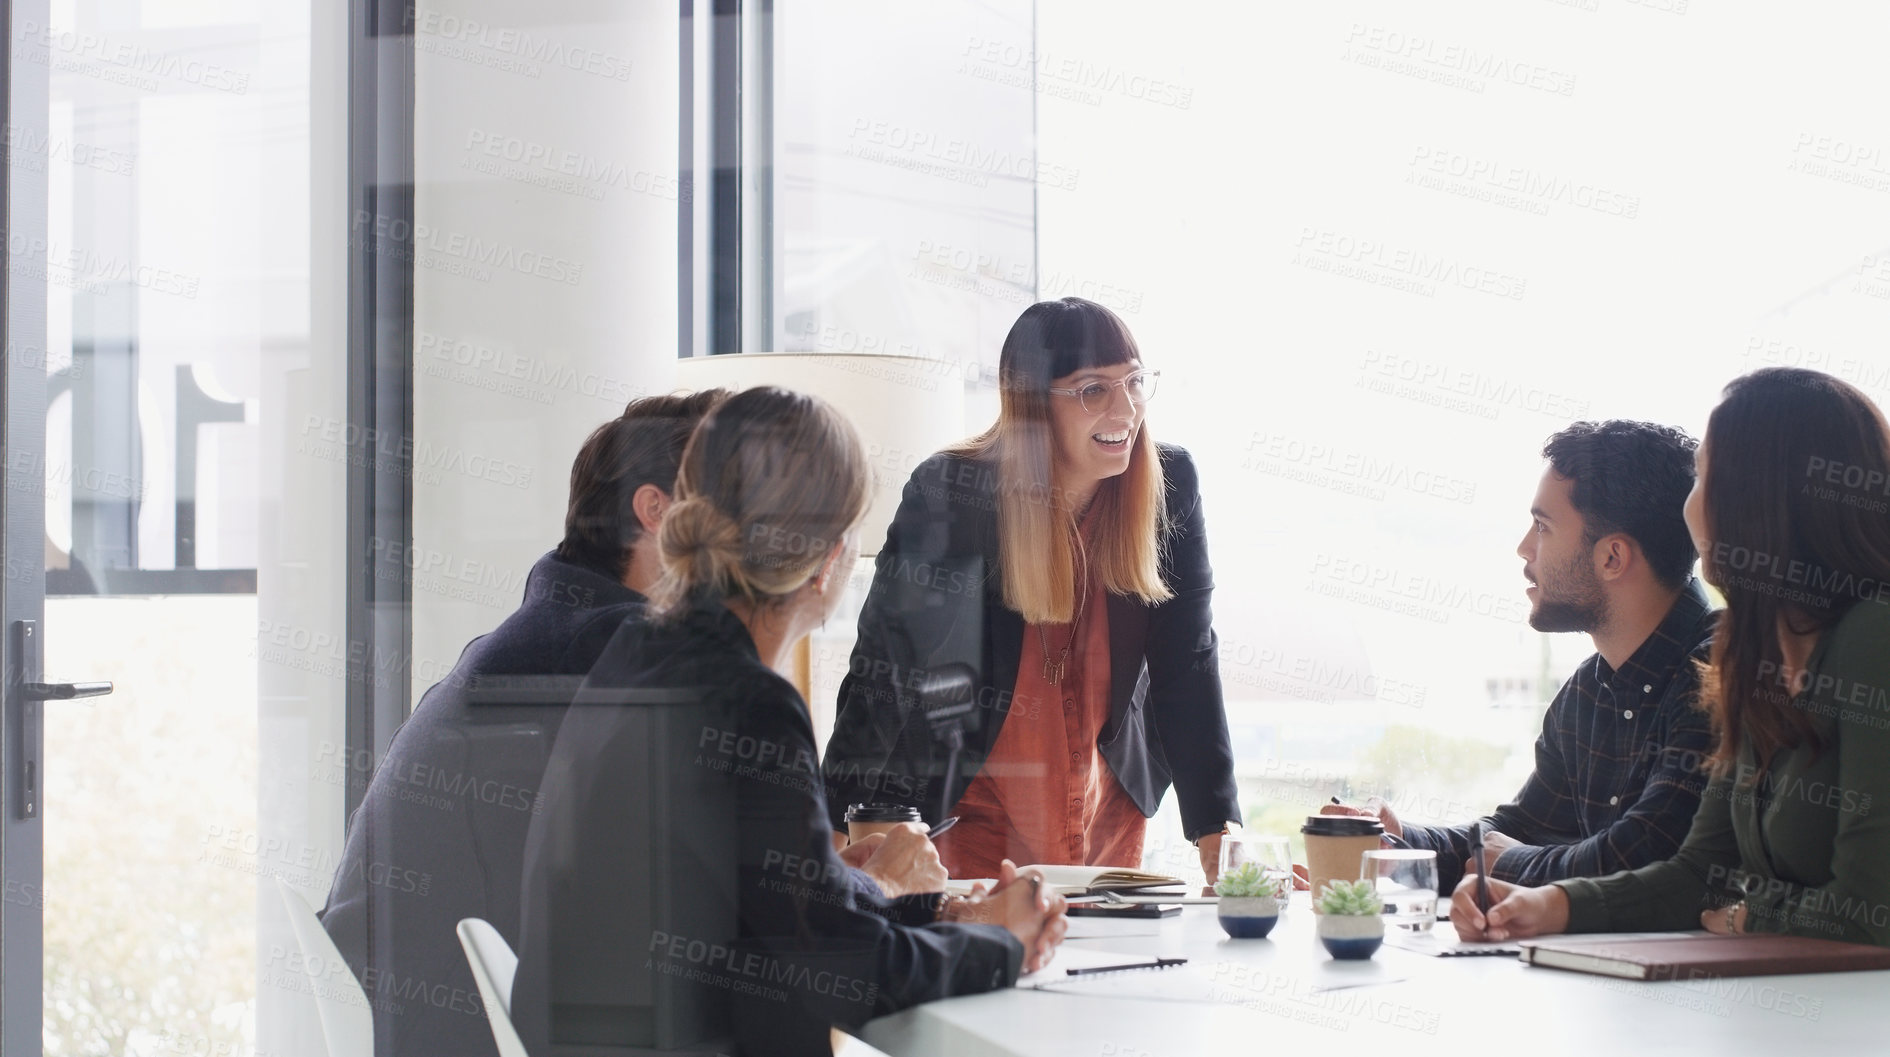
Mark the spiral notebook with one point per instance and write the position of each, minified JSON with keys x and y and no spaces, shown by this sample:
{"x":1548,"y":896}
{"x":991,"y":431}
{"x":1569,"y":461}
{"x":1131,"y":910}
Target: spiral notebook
{"x":1442,"y":942}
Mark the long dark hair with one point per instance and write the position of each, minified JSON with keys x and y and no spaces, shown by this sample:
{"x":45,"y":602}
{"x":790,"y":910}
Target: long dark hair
{"x":1797,"y":482}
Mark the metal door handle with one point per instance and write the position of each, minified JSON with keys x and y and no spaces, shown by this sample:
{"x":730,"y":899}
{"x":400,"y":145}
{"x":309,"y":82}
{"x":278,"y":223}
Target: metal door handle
{"x":24,"y":649}
{"x":65,"y":691}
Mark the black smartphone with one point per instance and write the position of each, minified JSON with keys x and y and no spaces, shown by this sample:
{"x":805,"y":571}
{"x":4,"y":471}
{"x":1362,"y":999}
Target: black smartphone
{"x":1124,"y":910}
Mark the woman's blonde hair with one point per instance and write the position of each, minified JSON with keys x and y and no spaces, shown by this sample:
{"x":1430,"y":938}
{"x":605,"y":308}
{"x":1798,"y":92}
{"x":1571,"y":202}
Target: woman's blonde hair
{"x":770,"y":482}
{"x":1037,"y":538}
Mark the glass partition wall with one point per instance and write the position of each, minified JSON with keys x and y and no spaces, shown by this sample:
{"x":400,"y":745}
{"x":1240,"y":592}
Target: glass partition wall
{"x":308,"y":307}
{"x":292,"y":392}
{"x":1380,"y":257}
{"x":186,"y":560}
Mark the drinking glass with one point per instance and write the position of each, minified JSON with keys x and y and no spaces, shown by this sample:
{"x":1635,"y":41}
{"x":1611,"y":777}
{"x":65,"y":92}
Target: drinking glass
{"x":1274,"y":855}
{"x":1406,"y":882}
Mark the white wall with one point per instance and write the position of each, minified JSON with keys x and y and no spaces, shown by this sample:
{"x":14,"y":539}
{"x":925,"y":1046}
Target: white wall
{"x":545,"y":280}
{"x":545,"y":297}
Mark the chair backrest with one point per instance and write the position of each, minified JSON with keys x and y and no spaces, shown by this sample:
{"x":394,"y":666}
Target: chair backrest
{"x":634,"y":840}
{"x":493,"y":965}
{"x":347,"y":1019}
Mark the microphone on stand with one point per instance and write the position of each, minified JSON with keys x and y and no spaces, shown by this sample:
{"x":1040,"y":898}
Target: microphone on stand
{"x":948,"y":695}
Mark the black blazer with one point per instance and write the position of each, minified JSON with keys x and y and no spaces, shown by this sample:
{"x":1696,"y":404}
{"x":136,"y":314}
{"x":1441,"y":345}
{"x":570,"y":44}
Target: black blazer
{"x":936,"y":637}
{"x":440,"y":833}
{"x":681,"y":880}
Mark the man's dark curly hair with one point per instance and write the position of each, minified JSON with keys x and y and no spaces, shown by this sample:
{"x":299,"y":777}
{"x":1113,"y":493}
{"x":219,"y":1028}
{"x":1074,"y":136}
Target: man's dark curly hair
{"x":1632,"y":478}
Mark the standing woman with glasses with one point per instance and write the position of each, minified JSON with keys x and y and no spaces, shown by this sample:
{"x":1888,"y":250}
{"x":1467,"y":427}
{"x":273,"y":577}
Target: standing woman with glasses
{"x":1037,"y":654}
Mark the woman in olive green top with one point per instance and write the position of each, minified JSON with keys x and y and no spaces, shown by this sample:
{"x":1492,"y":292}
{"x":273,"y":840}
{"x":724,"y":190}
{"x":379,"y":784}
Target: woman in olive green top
{"x":1791,"y":514}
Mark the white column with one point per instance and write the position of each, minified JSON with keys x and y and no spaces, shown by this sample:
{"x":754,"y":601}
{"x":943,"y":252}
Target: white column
{"x":545,"y":279}
{"x":300,"y":659}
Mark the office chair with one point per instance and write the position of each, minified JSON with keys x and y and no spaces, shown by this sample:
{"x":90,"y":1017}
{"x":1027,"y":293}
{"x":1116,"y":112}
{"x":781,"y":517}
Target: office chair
{"x":493,"y":964}
{"x":347,"y":1020}
{"x":845,"y":1045}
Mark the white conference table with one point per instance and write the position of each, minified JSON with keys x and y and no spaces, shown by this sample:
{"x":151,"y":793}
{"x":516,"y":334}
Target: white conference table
{"x":1257,"y":996}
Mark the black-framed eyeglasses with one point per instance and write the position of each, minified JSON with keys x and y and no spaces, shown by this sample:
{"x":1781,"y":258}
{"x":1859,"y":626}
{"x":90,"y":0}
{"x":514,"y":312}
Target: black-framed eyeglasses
{"x":1097,"y":396}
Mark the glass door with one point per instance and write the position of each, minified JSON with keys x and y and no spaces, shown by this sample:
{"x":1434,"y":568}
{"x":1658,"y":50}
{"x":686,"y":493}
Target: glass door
{"x":169,"y":523}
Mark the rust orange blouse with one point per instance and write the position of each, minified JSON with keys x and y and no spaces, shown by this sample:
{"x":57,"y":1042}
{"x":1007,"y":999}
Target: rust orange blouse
{"x":1045,"y":794}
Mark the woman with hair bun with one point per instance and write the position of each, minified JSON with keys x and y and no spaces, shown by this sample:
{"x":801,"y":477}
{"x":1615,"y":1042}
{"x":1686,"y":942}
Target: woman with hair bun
{"x":694,"y":775}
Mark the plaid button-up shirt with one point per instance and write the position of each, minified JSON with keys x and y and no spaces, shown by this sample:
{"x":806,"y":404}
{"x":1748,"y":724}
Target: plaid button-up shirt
{"x":1619,"y":765}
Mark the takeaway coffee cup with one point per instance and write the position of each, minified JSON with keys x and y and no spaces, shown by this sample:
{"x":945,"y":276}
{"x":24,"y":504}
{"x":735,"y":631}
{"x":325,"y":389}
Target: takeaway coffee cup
{"x":1335,"y":845}
{"x":866,"y":819}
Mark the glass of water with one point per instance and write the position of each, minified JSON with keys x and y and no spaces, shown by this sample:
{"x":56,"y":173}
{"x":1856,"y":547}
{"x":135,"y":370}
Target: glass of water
{"x":1273,"y":855}
{"x":1406,"y":881}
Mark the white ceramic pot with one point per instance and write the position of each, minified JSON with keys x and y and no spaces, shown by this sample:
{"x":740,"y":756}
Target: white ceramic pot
{"x":1250,"y":906}
{"x":1348,"y":936}
{"x":1249,"y":917}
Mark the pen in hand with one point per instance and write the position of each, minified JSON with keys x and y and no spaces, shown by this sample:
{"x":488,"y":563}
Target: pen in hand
{"x":932,"y":834}
{"x":1483,"y":884}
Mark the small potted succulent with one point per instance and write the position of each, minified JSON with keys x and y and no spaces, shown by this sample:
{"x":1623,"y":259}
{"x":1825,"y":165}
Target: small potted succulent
{"x":1250,"y":901}
{"x":1350,"y":921}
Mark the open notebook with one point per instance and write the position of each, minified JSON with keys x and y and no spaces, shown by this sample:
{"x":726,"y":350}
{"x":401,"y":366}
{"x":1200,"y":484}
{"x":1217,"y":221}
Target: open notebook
{"x":1216,"y":981}
{"x":1071,"y":880}
{"x":1077,"y":880}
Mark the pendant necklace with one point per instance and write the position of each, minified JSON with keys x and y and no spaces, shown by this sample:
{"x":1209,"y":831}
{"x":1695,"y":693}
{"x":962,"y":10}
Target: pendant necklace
{"x":1053,"y":669}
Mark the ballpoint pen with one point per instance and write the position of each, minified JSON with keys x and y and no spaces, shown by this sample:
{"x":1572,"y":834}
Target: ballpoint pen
{"x":1159,"y":963}
{"x":932,"y":834}
{"x":1483,"y":884}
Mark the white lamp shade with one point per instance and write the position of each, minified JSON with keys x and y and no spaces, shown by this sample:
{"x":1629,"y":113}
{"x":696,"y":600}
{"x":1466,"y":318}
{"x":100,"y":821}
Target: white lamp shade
{"x":905,"y":408}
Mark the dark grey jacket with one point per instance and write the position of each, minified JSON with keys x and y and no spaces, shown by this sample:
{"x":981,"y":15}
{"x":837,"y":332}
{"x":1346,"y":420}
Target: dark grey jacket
{"x":440,"y":834}
{"x":680,"y":884}
{"x":936,"y":638}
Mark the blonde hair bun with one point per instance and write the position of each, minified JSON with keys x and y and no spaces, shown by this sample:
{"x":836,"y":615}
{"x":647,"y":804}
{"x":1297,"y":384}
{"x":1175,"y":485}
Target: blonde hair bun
{"x":700,"y":545}
{"x":770,"y":483}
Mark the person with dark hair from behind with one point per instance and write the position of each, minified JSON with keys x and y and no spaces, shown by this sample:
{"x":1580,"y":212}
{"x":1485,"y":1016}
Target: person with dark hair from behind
{"x":680,"y":883}
{"x":440,"y":832}
{"x":1790,"y":515}
{"x":1619,"y":762}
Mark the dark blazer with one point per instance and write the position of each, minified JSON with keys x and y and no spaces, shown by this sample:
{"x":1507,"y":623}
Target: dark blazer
{"x":440,"y":833}
{"x":936,"y":638}
{"x":681,"y":877}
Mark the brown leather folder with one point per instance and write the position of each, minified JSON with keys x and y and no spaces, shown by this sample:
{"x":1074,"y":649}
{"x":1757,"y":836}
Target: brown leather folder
{"x":1704,"y":955}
